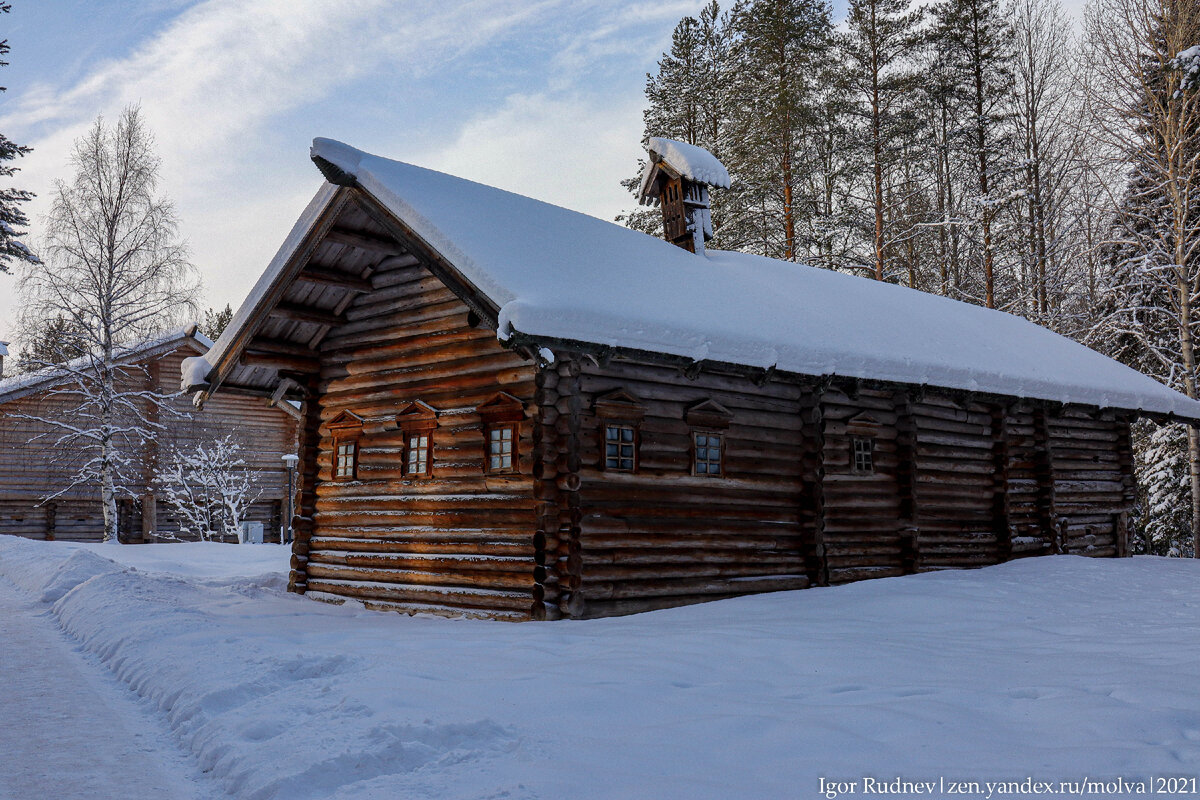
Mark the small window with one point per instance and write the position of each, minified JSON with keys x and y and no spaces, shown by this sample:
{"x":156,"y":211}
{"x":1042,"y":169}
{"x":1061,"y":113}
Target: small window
{"x":419,"y":454}
{"x":620,"y":448}
{"x":863,"y":451}
{"x":707,"y":459}
{"x":502,"y":448}
{"x":345,"y":464}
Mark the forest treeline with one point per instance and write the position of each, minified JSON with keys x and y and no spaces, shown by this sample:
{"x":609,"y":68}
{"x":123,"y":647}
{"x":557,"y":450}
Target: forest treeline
{"x":992,"y":151}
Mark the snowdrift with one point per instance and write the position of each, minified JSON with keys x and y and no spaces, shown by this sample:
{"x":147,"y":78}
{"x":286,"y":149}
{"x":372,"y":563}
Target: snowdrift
{"x":1055,"y":667}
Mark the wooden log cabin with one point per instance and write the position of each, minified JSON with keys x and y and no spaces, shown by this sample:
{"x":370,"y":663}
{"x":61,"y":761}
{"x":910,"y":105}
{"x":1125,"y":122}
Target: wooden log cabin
{"x":517,"y":411}
{"x":33,"y":467}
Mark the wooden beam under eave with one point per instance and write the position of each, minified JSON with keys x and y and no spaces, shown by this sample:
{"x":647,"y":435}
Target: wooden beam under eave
{"x":259,"y":358}
{"x":288,"y":409}
{"x":331,"y":277}
{"x":297,"y":313}
{"x":285,"y":347}
{"x":363,"y":241}
{"x":248,"y":391}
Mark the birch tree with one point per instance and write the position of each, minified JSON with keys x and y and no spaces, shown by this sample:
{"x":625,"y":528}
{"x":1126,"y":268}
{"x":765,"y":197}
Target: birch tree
{"x":115,"y":269}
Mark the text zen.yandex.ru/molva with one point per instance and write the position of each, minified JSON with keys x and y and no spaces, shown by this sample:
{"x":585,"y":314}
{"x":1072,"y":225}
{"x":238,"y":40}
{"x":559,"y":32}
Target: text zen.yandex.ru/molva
{"x":831,"y":788}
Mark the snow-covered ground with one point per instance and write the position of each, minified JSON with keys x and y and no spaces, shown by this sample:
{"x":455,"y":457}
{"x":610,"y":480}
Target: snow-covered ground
{"x":1055,"y":669}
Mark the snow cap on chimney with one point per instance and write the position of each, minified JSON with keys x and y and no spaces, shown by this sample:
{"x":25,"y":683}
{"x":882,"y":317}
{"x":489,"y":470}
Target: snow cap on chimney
{"x":677,"y":177}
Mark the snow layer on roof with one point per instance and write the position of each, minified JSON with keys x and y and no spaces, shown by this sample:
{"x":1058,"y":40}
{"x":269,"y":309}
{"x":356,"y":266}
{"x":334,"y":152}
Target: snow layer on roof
{"x":48,"y":375}
{"x":694,"y":163}
{"x":556,"y":273}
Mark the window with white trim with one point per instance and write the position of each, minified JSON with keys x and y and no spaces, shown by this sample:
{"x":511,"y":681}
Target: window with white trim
{"x":418,"y":454}
{"x":345,"y":461}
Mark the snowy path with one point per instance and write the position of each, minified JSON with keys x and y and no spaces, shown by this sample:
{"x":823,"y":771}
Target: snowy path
{"x":69,"y":730}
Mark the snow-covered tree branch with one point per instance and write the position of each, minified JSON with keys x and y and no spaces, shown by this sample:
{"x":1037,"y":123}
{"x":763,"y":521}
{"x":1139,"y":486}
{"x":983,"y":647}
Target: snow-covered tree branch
{"x":210,"y":488}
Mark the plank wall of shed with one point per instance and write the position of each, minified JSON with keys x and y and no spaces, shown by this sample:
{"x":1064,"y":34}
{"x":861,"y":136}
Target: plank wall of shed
{"x":458,"y":541}
{"x":33,"y":466}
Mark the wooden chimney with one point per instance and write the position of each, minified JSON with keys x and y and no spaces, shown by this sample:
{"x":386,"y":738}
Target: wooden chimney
{"x":677,"y":177}
{"x":3,"y":353}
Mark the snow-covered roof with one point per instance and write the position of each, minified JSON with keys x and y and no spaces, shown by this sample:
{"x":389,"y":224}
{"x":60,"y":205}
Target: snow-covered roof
{"x":559,"y":274}
{"x":21,"y":385}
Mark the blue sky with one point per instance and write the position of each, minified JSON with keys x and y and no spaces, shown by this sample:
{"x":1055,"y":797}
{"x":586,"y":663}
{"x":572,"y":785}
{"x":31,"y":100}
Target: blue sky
{"x":538,"y":96}
{"x":543,"y":97}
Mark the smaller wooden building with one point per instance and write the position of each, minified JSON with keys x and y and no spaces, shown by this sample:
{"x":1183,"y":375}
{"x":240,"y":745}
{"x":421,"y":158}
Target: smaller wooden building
{"x":32,"y":468}
{"x":518,"y":411}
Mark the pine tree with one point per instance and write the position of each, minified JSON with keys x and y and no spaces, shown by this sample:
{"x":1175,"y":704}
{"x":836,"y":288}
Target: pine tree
{"x":1162,"y":467}
{"x":12,"y":218}
{"x":780,"y":52}
{"x":975,"y":37}
{"x":47,"y":342}
{"x":1147,"y":111}
{"x":881,"y":37}
{"x":688,"y":101}
{"x":215,"y":321}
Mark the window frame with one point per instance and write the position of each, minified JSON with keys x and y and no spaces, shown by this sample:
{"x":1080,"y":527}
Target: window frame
{"x":695,"y":453}
{"x":339,"y":440}
{"x":622,"y":409}
{"x":346,"y":429}
{"x":514,"y":454}
{"x":634,"y":444}
{"x":708,"y":418}
{"x":418,"y":418}
{"x":501,"y":412}
{"x":856,"y":441}
{"x":407,"y":467}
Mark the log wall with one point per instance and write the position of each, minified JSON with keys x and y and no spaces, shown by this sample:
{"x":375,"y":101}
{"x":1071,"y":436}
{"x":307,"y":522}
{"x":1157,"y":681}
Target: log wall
{"x":663,"y":536}
{"x":953,"y":483}
{"x":460,"y":540}
{"x":862,"y":530}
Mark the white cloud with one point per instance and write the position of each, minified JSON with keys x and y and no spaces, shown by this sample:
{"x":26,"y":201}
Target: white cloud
{"x":211,"y":83}
{"x":571,"y":151}
{"x":235,"y":89}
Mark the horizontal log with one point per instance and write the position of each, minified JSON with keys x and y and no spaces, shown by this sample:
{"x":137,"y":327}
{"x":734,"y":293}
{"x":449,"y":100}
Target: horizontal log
{"x":642,"y":589}
{"x":452,"y":598}
{"x":298,"y":313}
{"x":329,"y":277}
{"x":492,"y":581}
{"x":377,"y":245}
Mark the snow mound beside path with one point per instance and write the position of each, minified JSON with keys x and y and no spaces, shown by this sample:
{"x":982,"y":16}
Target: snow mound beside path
{"x":262,"y":712}
{"x":47,"y":570}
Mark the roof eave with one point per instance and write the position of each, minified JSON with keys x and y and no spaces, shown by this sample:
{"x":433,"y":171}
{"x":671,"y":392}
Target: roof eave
{"x":759,"y":375}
